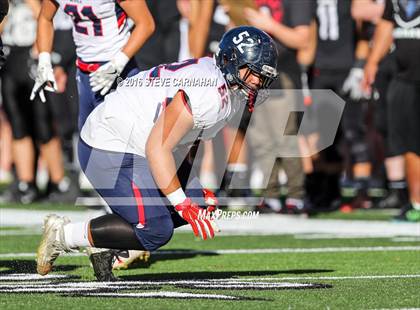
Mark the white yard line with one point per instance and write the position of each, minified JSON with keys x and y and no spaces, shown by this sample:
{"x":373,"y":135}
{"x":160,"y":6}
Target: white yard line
{"x":15,"y":217}
{"x":406,"y":239}
{"x":373,"y":277}
{"x":21,"y":232}
{"x":254,"y":251}
{"x":164,"y":294}
{"x":351,"y":236}
{"x":295,"y":250}
{"x":397,"y":309}
{"x":25,"y":279}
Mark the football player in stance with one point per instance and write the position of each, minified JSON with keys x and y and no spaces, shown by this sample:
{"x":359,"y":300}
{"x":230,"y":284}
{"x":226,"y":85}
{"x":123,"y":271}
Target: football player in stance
{"x":105,"y":46}
{"x":131,"y":149}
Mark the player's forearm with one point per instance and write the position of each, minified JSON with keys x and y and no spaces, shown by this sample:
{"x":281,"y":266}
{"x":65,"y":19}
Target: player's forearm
{"x":382,"y":41}
{"x":201,"y":14}
{"x":139,"y":35}
{"x":305,"y":56}
{"x":295,"y":38}
{"x":367,"y":10}
{"x":45,"y":35}
{"x":362,"y":49}
{"x":144,"y":25}
{"x":163,"y":168}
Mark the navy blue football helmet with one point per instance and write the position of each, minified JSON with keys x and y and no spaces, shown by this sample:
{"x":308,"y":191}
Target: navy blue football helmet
{"x":247,"y":47}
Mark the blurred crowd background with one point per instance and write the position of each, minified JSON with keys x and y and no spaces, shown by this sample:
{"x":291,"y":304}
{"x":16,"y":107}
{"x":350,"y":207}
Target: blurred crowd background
{"x":323,"y":44}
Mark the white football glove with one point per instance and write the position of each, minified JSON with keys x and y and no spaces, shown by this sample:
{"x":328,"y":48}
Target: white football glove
{"x":353,"y":84}
{"x":103,"y":78}
{"x":44,"y":78}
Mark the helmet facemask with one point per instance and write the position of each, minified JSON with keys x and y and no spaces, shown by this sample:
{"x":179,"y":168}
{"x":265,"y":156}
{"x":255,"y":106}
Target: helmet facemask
{"x":252,"y":94}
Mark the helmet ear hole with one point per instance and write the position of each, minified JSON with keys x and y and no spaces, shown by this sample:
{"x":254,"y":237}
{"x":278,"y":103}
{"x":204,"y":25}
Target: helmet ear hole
{"x":225,"y":60}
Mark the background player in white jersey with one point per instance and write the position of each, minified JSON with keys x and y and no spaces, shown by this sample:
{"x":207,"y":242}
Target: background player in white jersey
{"x":130,"y":145}
{"x":104,"y":45}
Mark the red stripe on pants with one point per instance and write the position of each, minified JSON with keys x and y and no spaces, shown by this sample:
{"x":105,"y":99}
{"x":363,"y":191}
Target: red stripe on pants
{"x":139,"y":202}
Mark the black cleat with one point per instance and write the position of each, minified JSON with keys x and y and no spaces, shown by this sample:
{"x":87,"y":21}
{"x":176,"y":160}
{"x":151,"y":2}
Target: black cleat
{"x":20,"y":192}
{"x":102,"y":264}
{"x":395,"y":199}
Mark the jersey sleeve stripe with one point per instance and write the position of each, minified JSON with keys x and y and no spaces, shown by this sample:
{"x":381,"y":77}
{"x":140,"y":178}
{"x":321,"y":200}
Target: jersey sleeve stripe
{"x":121,"y":15}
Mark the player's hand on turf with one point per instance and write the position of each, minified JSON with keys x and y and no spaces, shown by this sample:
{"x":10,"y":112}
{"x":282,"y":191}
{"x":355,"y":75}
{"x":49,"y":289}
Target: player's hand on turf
{"x":103,"y":78}
{"x":199,"y":219}
{"x":44,"y":78}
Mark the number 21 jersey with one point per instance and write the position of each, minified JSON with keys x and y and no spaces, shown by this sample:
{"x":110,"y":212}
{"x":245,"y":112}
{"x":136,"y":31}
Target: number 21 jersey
{"x":100,"y":28}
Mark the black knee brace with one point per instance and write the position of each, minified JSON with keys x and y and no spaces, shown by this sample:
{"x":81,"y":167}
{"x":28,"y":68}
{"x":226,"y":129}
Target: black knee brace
{"x":113,"y":232}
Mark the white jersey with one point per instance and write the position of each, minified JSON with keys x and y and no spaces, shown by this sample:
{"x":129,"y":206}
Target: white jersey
{"x":20,"y":25}
{"x":62,"y":21}
{"x":100,"y":28}
{"x":122,"y":123}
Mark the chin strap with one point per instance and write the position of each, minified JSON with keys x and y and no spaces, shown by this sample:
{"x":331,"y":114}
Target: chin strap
{"x":251,"y":100}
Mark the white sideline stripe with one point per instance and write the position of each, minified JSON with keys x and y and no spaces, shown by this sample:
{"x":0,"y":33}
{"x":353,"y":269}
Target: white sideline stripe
{"x":352,"y":236}
{"x":22,"y":232}
{"x":403,"y":276}
{"x":406,"y":239}
{"x":164,"y":295}
{"x":25,"y":282}
{"x":32,"y":276}
{"x":397,"y":309}
{"x":46,"y":289}
{"x":211,"y":283}
{"x":38,"y":231}
{"x":256,"y":285}
{"x":262,"y":225}
{"x":254,"y":251}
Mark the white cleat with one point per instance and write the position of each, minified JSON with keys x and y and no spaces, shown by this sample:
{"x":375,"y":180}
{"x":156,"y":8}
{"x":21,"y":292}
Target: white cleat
{"x":52,"y":243}
{"x":123,"y":260}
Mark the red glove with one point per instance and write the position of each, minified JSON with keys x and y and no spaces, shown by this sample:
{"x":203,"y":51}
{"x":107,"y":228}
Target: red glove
{"x":210,"y":200}
{"x":199,"y":219}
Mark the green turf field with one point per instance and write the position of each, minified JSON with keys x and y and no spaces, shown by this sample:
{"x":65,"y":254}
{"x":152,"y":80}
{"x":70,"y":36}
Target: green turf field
{"x":230,"y":272}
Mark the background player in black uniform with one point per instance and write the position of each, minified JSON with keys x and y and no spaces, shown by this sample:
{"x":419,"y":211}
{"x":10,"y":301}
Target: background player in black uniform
{"x":4,"y":8}
{"x":337,"y":66}
{"x":163,"y":44}
{"x":18,"y":36}
{"x":5,"y":131}
{"x":401,"y":23}
{"x":31,"y":122}
{"x":370,"y":12}
{"x":334,"y":58}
